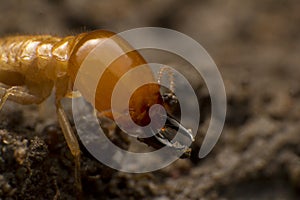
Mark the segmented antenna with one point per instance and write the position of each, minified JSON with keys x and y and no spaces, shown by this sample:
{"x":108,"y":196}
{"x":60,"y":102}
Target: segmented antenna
{"x":170,"y":73}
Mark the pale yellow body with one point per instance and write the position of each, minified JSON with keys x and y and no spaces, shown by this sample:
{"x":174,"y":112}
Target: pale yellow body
{"x":31,"y":66}
{"x":36,"y":62}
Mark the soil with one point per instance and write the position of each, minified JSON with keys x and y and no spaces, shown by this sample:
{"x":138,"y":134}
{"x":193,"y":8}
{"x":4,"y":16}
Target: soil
{"x":255,"y":45}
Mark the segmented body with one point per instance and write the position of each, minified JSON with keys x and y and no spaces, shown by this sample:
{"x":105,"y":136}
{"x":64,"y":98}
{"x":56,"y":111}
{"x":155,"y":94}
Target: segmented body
{"x":43,"y":62}
{"x":30,"y":55}
{"x":34,"y":61}
{"x":31,"y":66}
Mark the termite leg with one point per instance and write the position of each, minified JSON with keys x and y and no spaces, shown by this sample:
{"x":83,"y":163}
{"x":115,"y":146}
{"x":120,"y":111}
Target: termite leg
{"x":57,"y":194}
{"x":20,"y":95}
{"x":72,"y":143}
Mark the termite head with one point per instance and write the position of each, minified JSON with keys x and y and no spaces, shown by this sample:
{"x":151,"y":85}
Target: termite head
{"x":114,"y":57}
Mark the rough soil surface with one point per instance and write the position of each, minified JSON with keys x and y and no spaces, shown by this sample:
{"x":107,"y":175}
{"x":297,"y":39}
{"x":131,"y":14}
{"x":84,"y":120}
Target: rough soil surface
{"x":256,"y":46}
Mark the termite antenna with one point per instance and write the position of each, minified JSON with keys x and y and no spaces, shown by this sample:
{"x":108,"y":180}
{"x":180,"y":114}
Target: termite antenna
{"x":169,"y":97}
{"x":168,"y":70}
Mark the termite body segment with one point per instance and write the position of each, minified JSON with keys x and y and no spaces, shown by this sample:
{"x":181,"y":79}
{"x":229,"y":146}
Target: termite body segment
{"x":31,"y":66}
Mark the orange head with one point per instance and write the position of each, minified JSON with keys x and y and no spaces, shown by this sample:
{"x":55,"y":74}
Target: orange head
{"x":114,"y":57}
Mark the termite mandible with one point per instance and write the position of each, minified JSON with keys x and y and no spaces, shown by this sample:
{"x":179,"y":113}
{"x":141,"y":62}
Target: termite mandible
{"x":31,"y":66}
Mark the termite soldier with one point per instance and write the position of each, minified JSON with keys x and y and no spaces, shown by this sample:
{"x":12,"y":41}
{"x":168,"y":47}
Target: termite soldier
{"x":31,"y":66}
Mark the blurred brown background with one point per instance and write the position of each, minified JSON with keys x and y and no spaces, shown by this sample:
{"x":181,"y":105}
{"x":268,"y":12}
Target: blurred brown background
{"x":256,"y":46}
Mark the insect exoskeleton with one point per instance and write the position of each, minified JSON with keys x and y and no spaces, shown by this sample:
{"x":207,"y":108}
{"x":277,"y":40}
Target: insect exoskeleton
{"x":114,"y":57}
{"x":107,"y":45}
{"x":30,"y":66}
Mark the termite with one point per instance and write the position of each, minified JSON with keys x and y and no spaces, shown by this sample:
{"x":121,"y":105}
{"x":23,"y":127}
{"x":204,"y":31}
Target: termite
{"x":31,"y":66}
